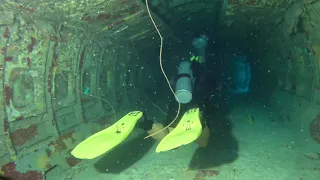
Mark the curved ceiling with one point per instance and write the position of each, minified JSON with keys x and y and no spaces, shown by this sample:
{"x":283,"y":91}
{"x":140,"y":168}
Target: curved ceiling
{"x":127,"y":19}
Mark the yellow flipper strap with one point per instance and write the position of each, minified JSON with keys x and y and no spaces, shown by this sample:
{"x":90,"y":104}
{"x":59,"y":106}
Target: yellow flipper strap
{"x":103,"y":141}
{"x":188,"y":130}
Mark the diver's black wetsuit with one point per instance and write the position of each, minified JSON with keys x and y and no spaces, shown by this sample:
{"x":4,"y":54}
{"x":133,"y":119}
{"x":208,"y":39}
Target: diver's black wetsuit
{"x":198,"y":99}
{"x":204,"y":86}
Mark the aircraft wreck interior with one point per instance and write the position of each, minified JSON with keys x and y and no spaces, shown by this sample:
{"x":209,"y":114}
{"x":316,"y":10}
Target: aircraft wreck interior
{"x":70,"y":69}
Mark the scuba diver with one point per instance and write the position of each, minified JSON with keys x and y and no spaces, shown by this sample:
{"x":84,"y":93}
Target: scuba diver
{"x":190,"y":125}
{"x":188,"y":85}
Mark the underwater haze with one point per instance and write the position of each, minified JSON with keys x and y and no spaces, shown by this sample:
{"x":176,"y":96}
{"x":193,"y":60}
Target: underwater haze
{"x":160,"y":90}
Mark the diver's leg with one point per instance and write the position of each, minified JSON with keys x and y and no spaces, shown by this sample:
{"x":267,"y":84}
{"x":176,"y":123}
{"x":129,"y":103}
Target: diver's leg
{"x":200,"y":97}
{"x":152,"y":127}
{"x":158,"y":127}
{"x":203,"y":139}
{"x":171,"y":114}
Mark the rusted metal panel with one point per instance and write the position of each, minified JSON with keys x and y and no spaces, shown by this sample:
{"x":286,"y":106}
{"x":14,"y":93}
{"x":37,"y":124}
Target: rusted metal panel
{"x":36,"y":162}
{"x":3,"y":147}
{"x":23,"y":135}
{"x":110,"y":17}
{"x":64,"y":79}
{"x":107,"y":74}
{"x":5,"y":94}
{"x":42,"y":92}
{"x":10,"y":170}
{"x":28,"y":66}
{"x":29,"y":132}
{"x":99,"y":72}
{"x":78,"y":82}
{"x":90,"y":64}
{"x":66,"y":121}
{"x":50,"y":69}
{"x":23,"y":67}
{"x":121,"y":75}
{"x":90,"y":99}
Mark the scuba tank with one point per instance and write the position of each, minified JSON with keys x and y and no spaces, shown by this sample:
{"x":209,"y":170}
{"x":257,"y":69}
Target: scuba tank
{"x":184,"y":84}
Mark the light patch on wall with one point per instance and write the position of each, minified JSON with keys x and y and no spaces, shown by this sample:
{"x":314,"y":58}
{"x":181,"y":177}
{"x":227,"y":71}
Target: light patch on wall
{"x":43,"y":162}
{"x":22,"y":88}
{"x":61,"y":89}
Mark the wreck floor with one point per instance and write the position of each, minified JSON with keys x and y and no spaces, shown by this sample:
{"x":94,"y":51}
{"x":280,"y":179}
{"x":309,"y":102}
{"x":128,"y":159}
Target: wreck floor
{"x":264,"y":149}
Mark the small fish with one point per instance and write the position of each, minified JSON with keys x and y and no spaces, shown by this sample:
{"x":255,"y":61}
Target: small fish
{"x":250,"y":119}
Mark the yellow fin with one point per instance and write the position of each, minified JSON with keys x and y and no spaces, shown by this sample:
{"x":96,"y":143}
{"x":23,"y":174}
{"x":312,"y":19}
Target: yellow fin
{"x":107,"y":139}
{"x":188,"y":129}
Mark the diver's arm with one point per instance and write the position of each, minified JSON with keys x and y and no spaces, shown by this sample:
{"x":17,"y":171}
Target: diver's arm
{"x":200,"y":44}
{"x":201,"y":53}
{"x":202,"y":59}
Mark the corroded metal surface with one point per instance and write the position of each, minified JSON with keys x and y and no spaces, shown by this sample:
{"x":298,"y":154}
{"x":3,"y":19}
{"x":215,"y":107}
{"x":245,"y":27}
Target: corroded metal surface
{"x":122,"y":17}
{"x":51,"y":58}
{"x":45,"y":70}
